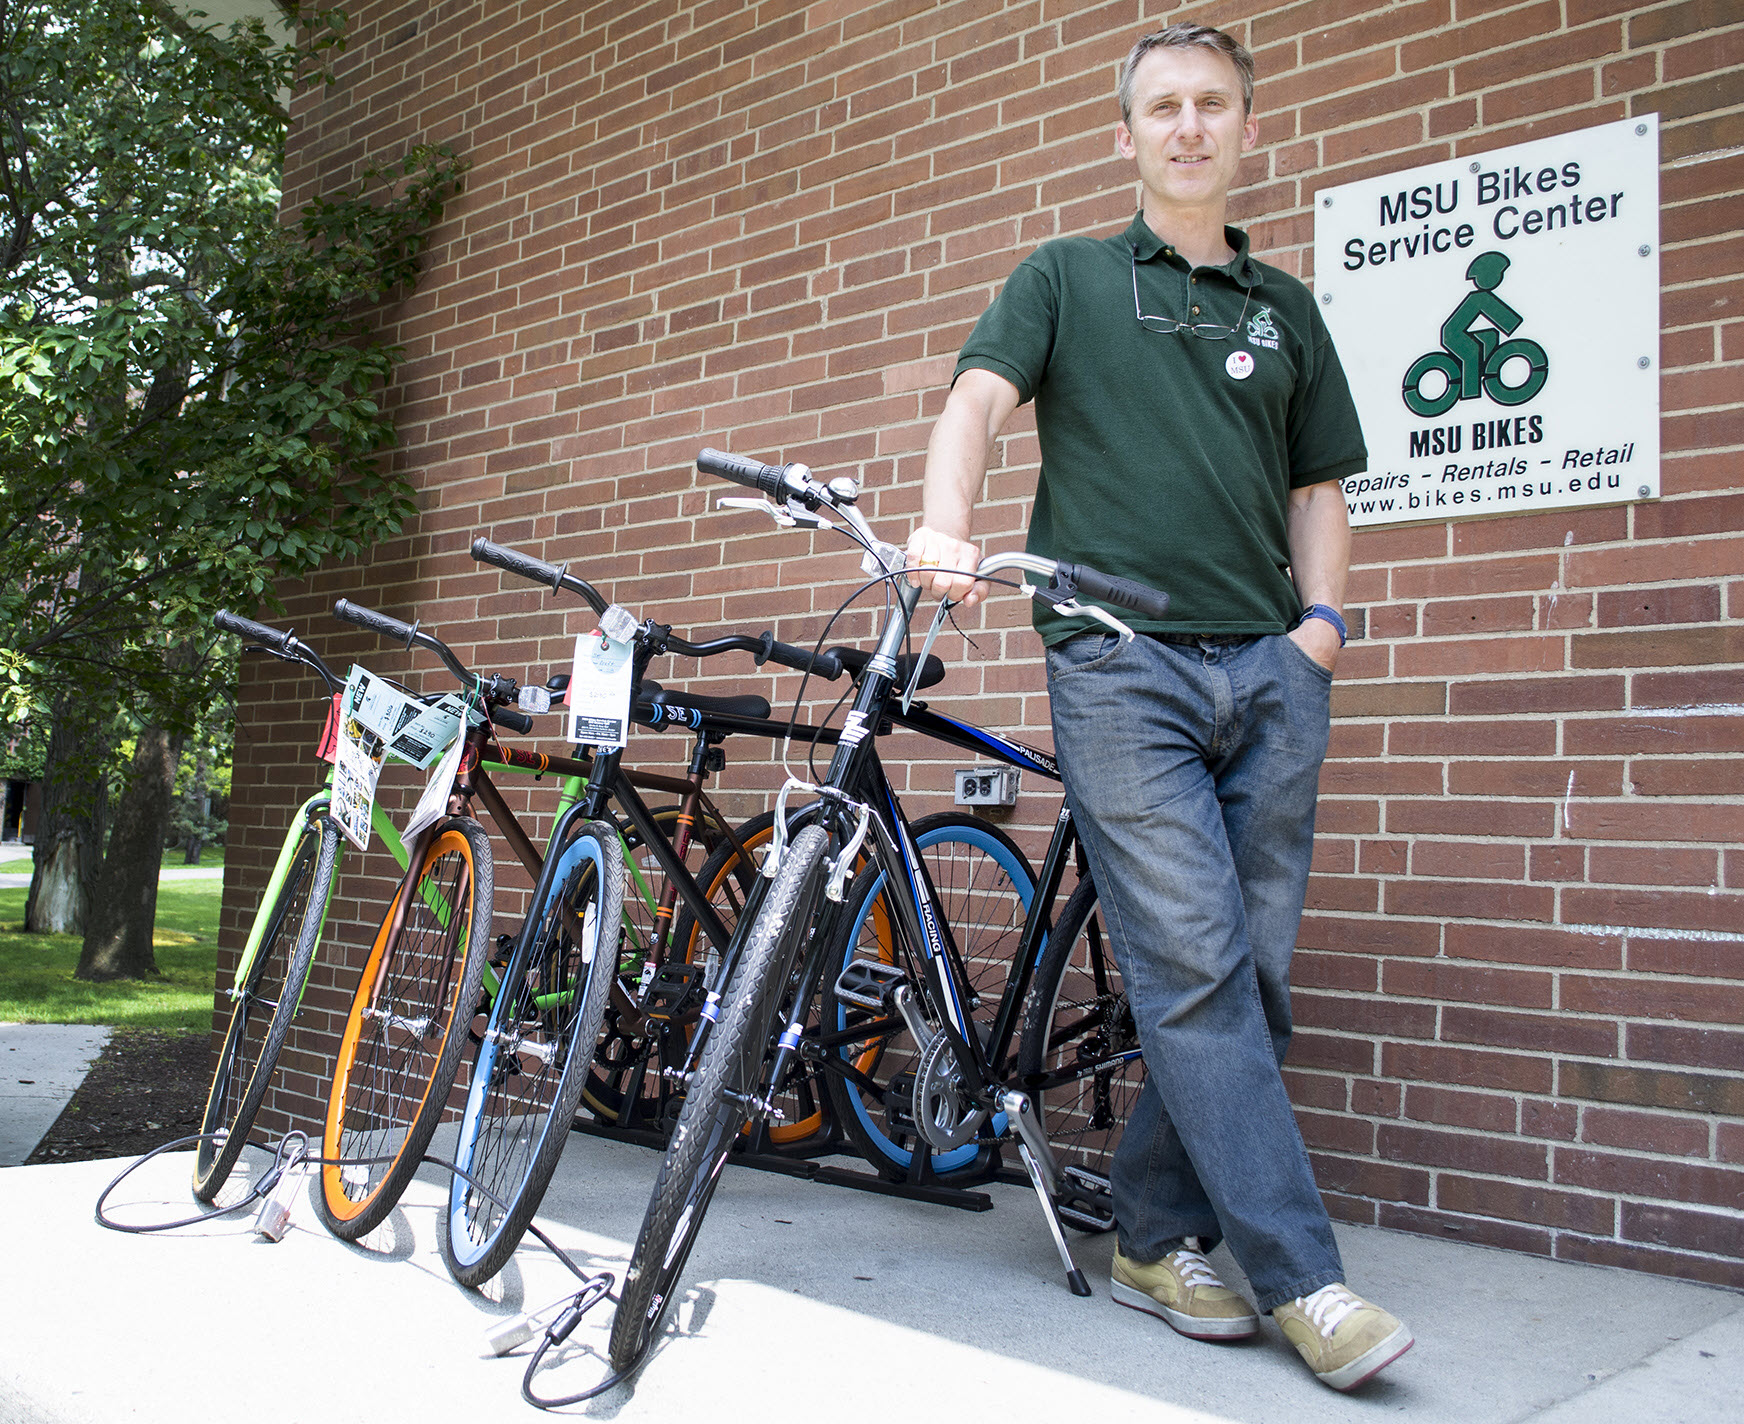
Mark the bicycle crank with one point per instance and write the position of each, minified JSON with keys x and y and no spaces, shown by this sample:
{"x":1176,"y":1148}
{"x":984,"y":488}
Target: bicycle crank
{"x":943,"y":1112}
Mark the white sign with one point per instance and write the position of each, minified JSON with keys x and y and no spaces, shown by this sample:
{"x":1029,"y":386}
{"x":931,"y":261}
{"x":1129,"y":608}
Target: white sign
{"x":599,"y":691}
{"x":355,"y":771}
{"x":414,"y":731}
{"x":1498,"y":318}
{"x":433,"y":804}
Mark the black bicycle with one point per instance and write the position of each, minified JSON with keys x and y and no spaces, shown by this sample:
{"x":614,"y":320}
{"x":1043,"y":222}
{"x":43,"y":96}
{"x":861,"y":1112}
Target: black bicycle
{"x":960,"y":1083}
{"x":634,"y":1084}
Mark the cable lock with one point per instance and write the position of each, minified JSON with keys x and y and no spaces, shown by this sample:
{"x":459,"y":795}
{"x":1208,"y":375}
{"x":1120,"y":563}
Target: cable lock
{"x":276,"y":1188}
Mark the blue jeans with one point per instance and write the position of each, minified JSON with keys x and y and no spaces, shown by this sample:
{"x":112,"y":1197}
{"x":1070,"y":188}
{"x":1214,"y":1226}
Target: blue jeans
{"x":1192,"y":771}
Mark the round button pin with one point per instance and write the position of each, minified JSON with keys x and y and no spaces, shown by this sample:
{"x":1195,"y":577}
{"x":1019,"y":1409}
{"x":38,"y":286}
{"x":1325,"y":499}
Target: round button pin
{"x":1240,"y":365}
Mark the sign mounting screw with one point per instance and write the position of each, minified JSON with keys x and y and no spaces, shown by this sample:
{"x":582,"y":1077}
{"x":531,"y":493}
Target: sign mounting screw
{"x":1326,"y":299}
{"x":1643,"y":362}
{"x":1475,"y":168}
{"x":1643,"y":250}
{"x":1641,"y":129}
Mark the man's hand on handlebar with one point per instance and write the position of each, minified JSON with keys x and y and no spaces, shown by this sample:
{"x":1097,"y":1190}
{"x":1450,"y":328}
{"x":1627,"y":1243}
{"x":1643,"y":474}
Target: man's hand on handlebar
{"x":932,"y":554}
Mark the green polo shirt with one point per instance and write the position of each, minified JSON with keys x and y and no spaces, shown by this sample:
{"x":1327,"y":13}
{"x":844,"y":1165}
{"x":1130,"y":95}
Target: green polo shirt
{"x":1168,"y":458}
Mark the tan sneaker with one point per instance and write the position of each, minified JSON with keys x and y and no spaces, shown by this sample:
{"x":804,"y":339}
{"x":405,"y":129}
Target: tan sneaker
{"x":1340,"y":1336}
{"x":1183,"y":1290}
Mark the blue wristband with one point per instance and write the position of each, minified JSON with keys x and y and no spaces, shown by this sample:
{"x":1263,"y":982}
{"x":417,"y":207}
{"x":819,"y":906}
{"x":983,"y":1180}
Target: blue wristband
{"x":1328,"y":614}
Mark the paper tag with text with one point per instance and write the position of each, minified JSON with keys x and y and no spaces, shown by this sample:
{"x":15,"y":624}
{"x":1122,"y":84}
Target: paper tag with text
{"x":433,"y":804}
{"x":354,"y":776}
{"x":599,"y":692}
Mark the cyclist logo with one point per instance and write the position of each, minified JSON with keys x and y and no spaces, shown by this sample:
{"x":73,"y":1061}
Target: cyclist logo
{"x":1474,"y":357}
{"x":1262,"y":331}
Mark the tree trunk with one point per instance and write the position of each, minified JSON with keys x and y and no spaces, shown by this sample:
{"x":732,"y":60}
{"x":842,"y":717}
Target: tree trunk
{"x":68,"y":849}
{"x":118,"y":930}
{"x":197,"y":806}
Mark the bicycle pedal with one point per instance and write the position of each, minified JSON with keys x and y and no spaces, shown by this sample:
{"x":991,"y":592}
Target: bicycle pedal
{"x":675,"y":989}
{"x":505,"y":946}
{"x":1085,"y":1200}
{"x":869,"y":984}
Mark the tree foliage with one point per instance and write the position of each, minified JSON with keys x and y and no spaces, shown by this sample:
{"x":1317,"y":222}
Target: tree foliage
{"x":188,"y":383}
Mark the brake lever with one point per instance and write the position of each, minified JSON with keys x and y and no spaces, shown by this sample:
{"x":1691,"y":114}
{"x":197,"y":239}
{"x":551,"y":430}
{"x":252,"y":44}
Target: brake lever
{"x":788,"y":517}
{"x":1071,"y":608}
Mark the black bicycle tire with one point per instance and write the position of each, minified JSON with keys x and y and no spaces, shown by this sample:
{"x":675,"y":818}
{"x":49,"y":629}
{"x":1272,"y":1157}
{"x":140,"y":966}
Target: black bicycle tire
{"x":581,"y":1032}
{"x":710,"y":1122}
{"x":375,"y":1207}
{"x":875,"y":1147}
{"x":1092,"y":1147}
{"x":803,"y":1101}
{"x":213,"y":1161}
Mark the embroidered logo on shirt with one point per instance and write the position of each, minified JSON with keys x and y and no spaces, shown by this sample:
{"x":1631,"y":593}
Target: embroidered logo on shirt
{"x":1261,"y":331}
{"x":1240,"y":365}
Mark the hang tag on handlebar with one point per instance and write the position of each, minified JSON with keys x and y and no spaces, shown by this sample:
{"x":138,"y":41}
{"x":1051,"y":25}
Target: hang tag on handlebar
{"x":433,"y":804}
{"x":354,"y":775}
{"x":599,"y":692}
{"x":328,"y":749}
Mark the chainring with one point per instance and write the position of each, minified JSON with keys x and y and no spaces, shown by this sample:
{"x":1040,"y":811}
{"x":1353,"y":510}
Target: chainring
{"x":943,"y":1114}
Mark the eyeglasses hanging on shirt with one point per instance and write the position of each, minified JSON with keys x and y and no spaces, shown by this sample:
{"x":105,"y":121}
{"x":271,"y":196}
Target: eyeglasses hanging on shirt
{"x":1168,"y":326}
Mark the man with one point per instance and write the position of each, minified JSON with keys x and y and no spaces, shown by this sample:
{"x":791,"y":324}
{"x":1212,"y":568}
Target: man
{"x":1195,"y":425}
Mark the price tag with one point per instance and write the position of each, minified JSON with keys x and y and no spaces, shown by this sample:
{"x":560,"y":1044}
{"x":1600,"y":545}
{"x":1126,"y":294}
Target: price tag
{"x":354,"y":776}
{"x":433,"y":804}
{"x":599,"y":692}
{"x":412,"y":730}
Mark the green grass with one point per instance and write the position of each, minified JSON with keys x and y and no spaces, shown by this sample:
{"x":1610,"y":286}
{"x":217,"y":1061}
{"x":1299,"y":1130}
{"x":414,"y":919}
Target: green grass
{"x":36,"y":971}
{"x":175,"y":858}
{"x":211,"y":857}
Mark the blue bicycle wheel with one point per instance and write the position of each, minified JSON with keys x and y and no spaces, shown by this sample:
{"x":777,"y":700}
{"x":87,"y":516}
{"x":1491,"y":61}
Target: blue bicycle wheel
{"x":985,"y":887}
{"x":533,"y":1056}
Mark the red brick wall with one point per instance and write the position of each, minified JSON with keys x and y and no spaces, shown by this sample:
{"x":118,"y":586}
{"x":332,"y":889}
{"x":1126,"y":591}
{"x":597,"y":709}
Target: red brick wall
{"x":768,"y":228}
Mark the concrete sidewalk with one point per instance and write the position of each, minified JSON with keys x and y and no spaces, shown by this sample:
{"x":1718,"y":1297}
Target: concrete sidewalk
{"x":798,"y":1297}
{"x":41,"y":1067}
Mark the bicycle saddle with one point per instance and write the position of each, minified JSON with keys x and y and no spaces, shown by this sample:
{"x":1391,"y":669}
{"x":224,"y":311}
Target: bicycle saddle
{"x":932,"y":672}
{"x":746,"y":704}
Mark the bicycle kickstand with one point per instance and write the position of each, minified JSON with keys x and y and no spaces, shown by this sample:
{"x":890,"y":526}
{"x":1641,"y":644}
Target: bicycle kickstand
{"x":1038,"y":1159}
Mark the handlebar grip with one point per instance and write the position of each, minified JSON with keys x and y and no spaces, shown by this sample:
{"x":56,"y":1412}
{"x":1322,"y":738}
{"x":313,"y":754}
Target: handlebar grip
{"x":247,"y":628}
{"x":825,"y":665}
{"x":375,"y":622}
{"x":766,"y":479}
{"x":512,"y":718}
{"x":1143,"y":600}
{"x":536,"y":570}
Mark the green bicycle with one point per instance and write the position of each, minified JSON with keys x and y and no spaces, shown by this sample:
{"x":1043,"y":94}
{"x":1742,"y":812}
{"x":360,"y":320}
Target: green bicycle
{"x":275,"y":963}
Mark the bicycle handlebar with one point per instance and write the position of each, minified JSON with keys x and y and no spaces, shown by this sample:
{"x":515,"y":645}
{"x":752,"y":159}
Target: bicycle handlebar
{"x":1143,"y":600}
{"x":770,"y":480}
{"x":247,"y":628}
{"x":279,"y":644}
{"x":1065,"y":579}
{"x":406,"y":634}
{"x":553,"y":576}
{"x":512,"y":718}
{"x":763,"y":648}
